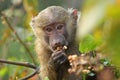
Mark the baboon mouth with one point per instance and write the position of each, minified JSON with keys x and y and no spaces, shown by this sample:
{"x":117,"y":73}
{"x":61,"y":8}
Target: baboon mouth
{"x":60,"y":48}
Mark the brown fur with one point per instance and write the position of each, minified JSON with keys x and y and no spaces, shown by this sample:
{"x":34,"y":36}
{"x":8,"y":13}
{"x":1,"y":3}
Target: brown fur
{"x":48,"y":16}
{"x":44,"y":18}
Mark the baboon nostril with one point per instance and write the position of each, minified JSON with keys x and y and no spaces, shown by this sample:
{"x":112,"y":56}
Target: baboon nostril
{"x":58,"y":44}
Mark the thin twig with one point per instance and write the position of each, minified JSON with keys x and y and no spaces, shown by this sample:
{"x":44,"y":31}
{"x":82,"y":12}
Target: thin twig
{"x":25,"y":64}
{"x":31,"y":75}
{"x":19,"y":39}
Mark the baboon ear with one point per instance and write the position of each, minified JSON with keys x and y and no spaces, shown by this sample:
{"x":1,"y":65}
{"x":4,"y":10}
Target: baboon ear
{"x":74,"y":13}
{"x":32,"y":22}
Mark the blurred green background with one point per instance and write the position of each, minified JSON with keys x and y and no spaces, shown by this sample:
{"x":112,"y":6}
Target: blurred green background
{"x":99,"y":28}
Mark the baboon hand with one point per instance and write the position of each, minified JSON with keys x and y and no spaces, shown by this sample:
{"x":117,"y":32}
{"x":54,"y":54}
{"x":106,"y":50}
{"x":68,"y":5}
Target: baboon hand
{"x":59,"y":57}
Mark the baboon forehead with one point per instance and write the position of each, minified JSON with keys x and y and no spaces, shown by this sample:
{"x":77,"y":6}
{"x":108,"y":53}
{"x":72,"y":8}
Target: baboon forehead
{"x":52,"y":14}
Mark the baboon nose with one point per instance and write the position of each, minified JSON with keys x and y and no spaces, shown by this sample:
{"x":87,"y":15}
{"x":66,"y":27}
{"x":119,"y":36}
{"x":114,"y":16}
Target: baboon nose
{"x":58,"y":44}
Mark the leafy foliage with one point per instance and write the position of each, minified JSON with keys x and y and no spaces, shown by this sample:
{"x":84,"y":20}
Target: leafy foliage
{"x":87,"y":44}
{"x":102,"y":32}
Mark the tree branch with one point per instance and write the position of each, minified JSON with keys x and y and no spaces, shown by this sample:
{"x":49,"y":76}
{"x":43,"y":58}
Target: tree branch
{"x":31,"y":75}
{"x":25,"y":64}
{"x":6,"y":21}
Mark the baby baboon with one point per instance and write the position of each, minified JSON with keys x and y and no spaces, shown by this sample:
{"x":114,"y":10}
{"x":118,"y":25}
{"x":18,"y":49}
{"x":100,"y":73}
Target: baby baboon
{"x":55,"y":30}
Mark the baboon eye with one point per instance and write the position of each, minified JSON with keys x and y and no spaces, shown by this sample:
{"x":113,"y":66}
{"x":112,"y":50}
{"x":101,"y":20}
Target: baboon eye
{"x":59,"y":26}
{"x":48,"y":29}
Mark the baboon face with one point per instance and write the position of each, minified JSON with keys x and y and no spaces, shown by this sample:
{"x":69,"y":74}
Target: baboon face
{"x":56,"y":35}
{"x":54,"y":26}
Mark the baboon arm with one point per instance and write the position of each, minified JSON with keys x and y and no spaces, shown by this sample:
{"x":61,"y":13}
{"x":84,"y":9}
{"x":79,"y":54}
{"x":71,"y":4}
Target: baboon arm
{"x":47,"y":71}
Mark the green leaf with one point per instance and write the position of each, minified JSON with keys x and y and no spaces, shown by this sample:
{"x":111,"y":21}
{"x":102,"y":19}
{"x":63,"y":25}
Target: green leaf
{"x":87,"y":44}
{"x":46,"y":78}
{"x":29,"y":38}
{"x":3,"y":71}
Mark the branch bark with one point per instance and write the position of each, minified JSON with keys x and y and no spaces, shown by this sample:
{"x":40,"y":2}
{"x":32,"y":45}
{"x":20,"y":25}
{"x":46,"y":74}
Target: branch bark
{"x":25,"y":64}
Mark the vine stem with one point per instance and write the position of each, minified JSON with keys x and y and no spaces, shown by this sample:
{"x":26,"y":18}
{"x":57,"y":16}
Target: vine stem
{"x":6,"y":21}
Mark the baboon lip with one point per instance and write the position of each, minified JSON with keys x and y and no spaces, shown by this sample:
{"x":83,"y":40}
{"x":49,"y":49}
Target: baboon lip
{"x":60,"y":48}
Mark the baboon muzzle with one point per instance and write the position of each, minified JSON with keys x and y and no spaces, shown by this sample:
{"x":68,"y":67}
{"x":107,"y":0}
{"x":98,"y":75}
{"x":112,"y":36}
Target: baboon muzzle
{"x":58,"y":43}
